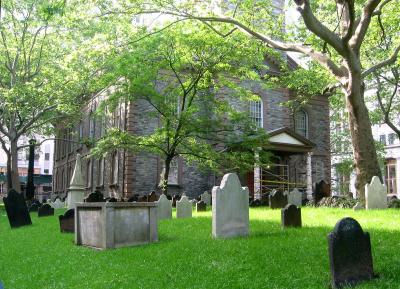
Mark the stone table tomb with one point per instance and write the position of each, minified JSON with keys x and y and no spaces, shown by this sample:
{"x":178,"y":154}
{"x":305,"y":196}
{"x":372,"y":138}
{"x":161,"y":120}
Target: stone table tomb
{"x":105,"y":225}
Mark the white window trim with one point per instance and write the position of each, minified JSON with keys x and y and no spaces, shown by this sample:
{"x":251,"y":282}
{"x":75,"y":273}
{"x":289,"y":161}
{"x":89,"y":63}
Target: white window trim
{"x":306,"y":121}
{"x":261,"y":112}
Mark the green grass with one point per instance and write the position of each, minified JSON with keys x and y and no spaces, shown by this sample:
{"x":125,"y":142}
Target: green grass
{"x":186,"y":256}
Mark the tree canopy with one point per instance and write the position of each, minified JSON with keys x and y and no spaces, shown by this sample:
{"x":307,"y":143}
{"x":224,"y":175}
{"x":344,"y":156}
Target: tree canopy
{"x":199,"y":88}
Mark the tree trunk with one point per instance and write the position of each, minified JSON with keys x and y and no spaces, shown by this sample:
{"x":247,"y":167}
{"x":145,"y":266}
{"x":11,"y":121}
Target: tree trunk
{"x":12,"y":168}
{"x":364,"y":150}
{"x":165,"y":175}
{"x":9,"y":178}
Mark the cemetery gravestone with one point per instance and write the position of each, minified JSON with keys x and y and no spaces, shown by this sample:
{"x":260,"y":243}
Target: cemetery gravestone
{"x":349,"y":254}
{"x":255,"y":203}
{"x":375,"y":195}
{"x":57,"y":204}
{"x":34,"y":207}
{"x":295,"y":197}
{"x":230,"y":208}
{"x":164,"y":208}
{"x":152,"y":197}
{"x":264,"y":199}
{"x":206,"y":198}
{"x":134,"y":198}
{"x":201,"y":206}
{"x":17,"y":211}
{"x":322,"y":190}
{"x":277,"y":200}
{"x":67,"y":221}
{"x":291,"y":216}
{"x":94,"y":197}
{"x":45,"y":210}
{"x":175,"y":198}
{"x":358,"y":206}
{"x":183,"y":208}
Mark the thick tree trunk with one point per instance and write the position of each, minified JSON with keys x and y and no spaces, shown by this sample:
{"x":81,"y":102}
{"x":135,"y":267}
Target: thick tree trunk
{"x":364,"y":150}
{"x":12,"y":171}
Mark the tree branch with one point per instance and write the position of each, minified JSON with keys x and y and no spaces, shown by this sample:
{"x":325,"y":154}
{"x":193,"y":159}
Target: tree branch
{"x":319,"y":29}
{"x":321,"y":58}
{"x":362,"y":27}
{"x":391,"y":60}
{"x":34,"y":119}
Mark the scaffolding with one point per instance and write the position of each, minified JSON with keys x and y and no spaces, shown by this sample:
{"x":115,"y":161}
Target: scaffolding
{"x":276,"y":176}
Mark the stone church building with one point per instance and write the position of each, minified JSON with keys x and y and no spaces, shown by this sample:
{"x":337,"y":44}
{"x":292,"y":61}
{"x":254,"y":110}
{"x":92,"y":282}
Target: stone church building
{"x":300,"y":142}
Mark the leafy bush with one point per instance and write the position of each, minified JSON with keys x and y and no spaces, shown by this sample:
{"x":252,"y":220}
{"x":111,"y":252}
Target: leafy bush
{"x":394,"y":203}
{"x":337,"y":202}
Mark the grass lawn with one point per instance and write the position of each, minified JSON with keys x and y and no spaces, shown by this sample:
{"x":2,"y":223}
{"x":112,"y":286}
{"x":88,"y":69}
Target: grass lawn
{"x":186,"y":256}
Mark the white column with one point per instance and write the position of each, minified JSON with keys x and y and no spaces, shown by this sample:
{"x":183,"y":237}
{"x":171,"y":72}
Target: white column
{"x":257,"y":177}
{"x":309,"y":176}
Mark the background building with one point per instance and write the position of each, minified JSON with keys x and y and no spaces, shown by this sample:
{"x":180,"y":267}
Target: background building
{"x":43,"y":167}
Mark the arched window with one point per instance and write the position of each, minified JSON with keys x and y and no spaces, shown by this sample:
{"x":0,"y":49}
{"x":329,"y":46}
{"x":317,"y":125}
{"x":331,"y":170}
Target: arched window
{"x":256,"y":112}
{"x":301,"y":123}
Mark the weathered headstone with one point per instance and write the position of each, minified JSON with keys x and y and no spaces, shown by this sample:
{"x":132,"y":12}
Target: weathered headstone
{"x":164,"y":208}
{"x":34,"y":207}
{"x":76,"y":190}
{"x":206,"y":198}
{"x":255,"y":203}
{"x":291,"y":216}
{"x":295,"y":197}
{"x":349,"y":254}
{"x":277,"y":200}
{"x":45,"y":210}
{"x":201,"y":206}
{"x":67,"y":221}
{"x":230,"y":208}
{"x":17,"y":211}
{"x":94,"y":197}
{"x":358,"y":206}
{"x":152,"y":197}
{"x":133,"y":198}
{"x":375,"y":195}
{"x":321,"y":190}
{"x":183,"y":208}
{"x":264,"y":199}
{"x":57,"y":204}
{"x":175,"y":198}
